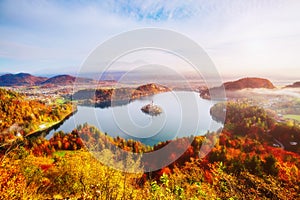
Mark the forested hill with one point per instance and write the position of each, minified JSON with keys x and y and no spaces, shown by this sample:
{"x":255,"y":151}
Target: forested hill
{"x":19,"y":115}
{"x":20,"y":79}
{"x":67,"y":80}
{"x":249,"y":83}
{"x":243,"y":164}
{"x":244,"y":83}
{"x":294,"y":85}
{"x":103,"y":97}
{"x":25,"y":79}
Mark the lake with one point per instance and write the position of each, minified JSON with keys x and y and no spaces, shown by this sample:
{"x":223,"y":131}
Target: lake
{"x":184,"y":114}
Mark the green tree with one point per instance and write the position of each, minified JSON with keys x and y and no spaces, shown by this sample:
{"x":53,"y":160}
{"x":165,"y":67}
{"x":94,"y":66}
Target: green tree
{"x":254,"y":165}
{"x":270,"y":166}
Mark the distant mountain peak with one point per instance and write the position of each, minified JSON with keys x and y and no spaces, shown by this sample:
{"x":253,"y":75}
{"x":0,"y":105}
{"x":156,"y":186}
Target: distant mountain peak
{"x":66,"y":80}
{"x":20,"y":79}
{"x":23,"y":74}
{"x":244,"y":83}
{"x":249,"y":82}
{"x":294,"y":85}
{"x":26,"y":79}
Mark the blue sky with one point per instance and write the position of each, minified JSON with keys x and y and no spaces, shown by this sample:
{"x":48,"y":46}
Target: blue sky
{"x":243,"y":38}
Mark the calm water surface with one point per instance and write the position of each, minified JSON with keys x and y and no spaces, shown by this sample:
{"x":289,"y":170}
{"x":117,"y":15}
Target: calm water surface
{"x":184,"y":114}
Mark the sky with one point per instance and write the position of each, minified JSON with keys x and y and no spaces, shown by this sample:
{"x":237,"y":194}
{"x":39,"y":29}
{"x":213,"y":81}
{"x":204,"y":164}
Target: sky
{"x":242,"y":37}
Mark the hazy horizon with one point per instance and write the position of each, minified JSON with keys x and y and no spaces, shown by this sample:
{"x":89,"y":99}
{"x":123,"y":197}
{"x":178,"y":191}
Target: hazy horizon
{"x":242,"y":38}
{"x":115,"y":75}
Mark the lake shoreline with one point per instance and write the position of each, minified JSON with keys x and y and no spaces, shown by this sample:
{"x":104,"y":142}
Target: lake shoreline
{"x":43,"y":132}
{"x":132,"y":123}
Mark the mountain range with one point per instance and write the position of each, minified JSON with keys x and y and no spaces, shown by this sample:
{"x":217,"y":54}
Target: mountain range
{"x":25,"y":79}
{"x":20,"y":79}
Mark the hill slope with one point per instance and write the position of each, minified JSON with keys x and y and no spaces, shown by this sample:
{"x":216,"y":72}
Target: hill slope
{"x":20,"y":79}
{"x":60,"y":80}
{"x":240,"y":84}
{"x":119,"y":96}
{"x":148,"y":89}
{"x":66,"y":80}
{"x":25,"y":79}
{"x":294,"y":85}
{"x":248,"y":83}
{"x":18,"y":114}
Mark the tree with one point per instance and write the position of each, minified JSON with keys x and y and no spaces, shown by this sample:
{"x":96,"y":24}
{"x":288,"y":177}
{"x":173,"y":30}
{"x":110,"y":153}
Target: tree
{"x":270,"y":166}
{"x":254,"y":165}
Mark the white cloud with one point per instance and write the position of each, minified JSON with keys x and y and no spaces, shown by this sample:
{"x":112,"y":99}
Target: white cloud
{"x":242,"y":37}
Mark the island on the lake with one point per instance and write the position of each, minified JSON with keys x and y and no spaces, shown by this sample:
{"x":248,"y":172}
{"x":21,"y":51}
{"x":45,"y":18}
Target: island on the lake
{"x":151,"y":109}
